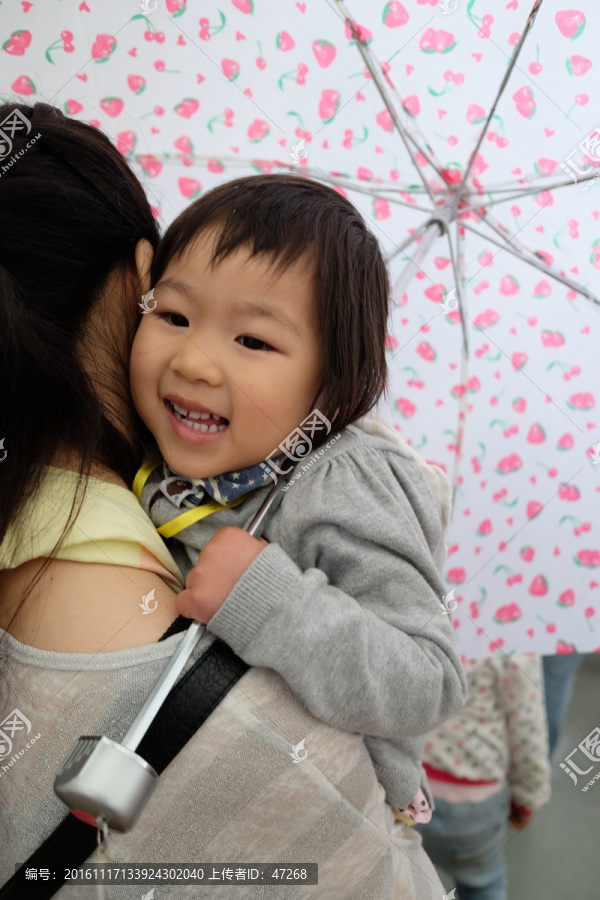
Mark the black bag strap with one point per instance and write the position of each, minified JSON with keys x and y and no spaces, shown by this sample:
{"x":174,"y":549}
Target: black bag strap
{"x":186,"y":707}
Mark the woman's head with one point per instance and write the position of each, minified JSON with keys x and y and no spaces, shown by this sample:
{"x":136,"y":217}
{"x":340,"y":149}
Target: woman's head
{"x":283,"y":242}
{"x":71,"y":216}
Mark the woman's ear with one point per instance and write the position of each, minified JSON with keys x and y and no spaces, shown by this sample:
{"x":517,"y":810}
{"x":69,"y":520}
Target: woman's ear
{"x":144,"y":254}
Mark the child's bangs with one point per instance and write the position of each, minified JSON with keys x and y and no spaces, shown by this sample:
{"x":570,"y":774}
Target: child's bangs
{"x":277,"y":223}
{"x":265,"y":230}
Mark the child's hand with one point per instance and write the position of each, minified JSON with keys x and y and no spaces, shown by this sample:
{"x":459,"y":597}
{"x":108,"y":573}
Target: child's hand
{"x":519,"y":816}
{"x":221,"y":564}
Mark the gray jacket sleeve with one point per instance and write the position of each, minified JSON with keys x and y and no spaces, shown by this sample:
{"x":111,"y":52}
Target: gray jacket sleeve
{"x":349,"y":613}
{"x":399,"y":768}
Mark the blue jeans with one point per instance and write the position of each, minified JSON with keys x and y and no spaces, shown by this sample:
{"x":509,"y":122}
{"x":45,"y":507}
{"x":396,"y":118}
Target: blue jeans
{"x":559,"y":678}
{"x":467,"y":841}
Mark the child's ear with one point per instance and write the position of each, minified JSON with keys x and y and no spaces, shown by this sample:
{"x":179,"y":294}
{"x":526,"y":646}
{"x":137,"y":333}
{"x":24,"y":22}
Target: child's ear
{"x":144,"y":254}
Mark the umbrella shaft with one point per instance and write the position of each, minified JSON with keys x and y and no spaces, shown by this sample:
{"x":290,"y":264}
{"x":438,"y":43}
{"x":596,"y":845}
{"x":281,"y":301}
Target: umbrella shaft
{"x":146,"y":715}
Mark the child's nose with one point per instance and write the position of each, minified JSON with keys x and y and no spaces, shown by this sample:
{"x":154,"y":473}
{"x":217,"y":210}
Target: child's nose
{"x":196,"y":363}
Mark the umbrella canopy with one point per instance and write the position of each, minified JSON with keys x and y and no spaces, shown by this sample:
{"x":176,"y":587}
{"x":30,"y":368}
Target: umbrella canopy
{"x":394,"y":104}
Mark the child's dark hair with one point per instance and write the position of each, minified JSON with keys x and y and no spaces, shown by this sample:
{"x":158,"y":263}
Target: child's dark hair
{"x":71,"y":214}
{"x":287,"y":217}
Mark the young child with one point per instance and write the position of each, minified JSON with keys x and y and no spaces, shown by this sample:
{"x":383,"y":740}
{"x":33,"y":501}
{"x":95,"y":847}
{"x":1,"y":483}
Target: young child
{"x":271,"y":305}
{"x":488,"y":764}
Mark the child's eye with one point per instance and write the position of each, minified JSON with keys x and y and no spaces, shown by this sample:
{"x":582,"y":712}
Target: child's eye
{"x":264,"y":346}
{"x":175,"y":319}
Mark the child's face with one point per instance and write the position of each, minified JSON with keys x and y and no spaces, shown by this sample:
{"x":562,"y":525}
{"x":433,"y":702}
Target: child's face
{"x":204,"y":348}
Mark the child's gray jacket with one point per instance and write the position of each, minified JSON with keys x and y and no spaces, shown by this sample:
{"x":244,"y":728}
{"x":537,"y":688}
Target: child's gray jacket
{"x":345,"y":602}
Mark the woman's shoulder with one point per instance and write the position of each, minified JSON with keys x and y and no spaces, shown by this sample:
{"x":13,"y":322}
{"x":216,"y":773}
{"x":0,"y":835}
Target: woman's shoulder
{"x":97,"y":591}
{"x":110,"y":527}
{"x":86,"y":607}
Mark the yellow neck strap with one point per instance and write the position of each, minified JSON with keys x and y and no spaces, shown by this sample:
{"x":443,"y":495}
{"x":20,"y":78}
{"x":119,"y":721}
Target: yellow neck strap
{"x":185,"y":519}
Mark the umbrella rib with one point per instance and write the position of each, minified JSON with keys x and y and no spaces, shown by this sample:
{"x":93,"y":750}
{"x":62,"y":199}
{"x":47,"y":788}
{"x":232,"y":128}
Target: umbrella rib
{"x":406,"y":243}
{"x":433,"y":230}
{"x":351,"y":186}
{"x":499,"y":229}
{"x":521,"y":250}
{"x":430,"y":156}
{"x":536,"y":6}
{"x":375,"y":78}
{"x":428,"y":224}
{"x":526,"y":192}
{"x":532,"y":188}
{"x":347,"y":184}
{"x":537,"y":186}
{"x":536,"y":264}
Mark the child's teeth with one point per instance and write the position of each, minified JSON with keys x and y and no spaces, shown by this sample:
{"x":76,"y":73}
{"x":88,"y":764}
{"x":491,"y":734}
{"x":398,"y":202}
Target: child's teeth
{"x":190,"y":419}
{"x":199,"y":415}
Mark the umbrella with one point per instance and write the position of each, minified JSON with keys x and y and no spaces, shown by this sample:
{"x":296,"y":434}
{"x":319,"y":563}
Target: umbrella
{"x":464,"y":134}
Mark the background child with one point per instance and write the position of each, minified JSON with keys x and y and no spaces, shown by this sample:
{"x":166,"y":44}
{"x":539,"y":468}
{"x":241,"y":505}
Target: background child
{"x":272,"y":302}
{"x":486,"y":764}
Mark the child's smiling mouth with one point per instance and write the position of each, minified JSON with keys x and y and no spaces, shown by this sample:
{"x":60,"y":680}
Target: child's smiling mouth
{"x":191,"y":419}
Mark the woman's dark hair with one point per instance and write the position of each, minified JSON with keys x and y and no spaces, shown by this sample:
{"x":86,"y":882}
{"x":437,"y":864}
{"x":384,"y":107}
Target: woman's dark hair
{"x":286,"y":218}
{"x":71,"y":214}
